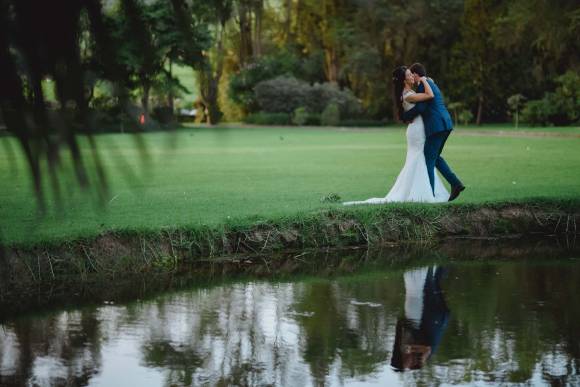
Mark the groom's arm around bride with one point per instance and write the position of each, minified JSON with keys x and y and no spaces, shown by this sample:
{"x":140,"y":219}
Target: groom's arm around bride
{"x":438,"y":125}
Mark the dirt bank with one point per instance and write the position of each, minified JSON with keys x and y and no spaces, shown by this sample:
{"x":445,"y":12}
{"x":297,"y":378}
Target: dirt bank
{"x":114,"y":253}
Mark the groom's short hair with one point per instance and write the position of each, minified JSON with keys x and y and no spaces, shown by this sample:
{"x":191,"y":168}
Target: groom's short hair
{"x":419,"y":69}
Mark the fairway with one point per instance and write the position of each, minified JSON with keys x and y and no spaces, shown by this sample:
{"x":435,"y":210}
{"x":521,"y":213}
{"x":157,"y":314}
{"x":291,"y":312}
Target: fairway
{"x":214,"y":175}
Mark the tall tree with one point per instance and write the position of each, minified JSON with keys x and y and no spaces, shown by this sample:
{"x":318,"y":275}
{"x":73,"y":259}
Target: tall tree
{"x":216,"y":13}
{"x":476,"y":58}
{"x":38,"y":40}
{"x":244,"y":13}
{"x":139,"y":51}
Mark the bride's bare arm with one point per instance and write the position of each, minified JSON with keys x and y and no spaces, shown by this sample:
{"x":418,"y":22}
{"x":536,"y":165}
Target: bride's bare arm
{"x":419,"y":97}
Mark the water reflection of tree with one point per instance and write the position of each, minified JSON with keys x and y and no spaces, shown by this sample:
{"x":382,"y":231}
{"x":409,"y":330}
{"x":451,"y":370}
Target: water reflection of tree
{"x":182,"y":362}
{"x":250,"y":335}
{"x":226,"y":341}
{"x":335,"y":330}
{"x":301,"y":333}
{"x":74,"y":338}
{"x":527,"y":331}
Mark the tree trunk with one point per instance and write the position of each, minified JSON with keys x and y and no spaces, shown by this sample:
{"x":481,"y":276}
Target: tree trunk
{"x":288,"y":22}
{"x":214,"y":113}
{"x":479,"y":109}
{"x":245,"y":23}
{"x":258,"y":13}
{"x":332,"y":64}
{"x":170,"y":96}
{"x":330,"y":45}
{"x":145,"y":97}
{"x":209,"y":94}
{"x":209,"y":82}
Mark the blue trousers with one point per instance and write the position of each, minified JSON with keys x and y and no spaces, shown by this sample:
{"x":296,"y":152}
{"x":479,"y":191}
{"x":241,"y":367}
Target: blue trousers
{"x":433,"y":147}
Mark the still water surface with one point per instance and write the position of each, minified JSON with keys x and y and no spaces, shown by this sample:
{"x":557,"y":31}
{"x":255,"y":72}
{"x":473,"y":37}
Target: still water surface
{"x":425,"y":323}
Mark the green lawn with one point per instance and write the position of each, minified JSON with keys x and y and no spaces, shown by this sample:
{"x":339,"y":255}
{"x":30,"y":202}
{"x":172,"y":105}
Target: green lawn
{"x":535,"y":130}
{"x":205,"y":176}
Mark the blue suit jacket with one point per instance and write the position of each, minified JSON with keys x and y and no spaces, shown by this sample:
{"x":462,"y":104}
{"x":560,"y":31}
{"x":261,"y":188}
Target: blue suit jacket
{"x":435,"y":115}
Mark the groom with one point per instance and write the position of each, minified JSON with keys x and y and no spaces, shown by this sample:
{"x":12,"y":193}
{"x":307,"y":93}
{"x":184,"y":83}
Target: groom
{"x":438,"y":127}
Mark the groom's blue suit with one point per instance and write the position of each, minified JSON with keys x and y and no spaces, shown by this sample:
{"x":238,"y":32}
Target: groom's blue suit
{"x":438,"y":126}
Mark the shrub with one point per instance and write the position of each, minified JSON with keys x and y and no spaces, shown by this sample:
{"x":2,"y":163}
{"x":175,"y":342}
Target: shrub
{"x":314,"y":119}
{"x":456,"y":108}
{"x":321,"y":95}
{"x":515,"y":103}
{"x":242,"y":85}
{"x":163,"y":114}
{"x":301,"y":117}
{"x":286,"y":94}
{"x":361,"y":122}
{"x":465,"y":116}
{"x":541,"y":111}
{"x":331,"y":115}
{"x":282,"y":94}
{"x":561,"y":107}
{"x":116,"y":120}
{"x":266,"y":118}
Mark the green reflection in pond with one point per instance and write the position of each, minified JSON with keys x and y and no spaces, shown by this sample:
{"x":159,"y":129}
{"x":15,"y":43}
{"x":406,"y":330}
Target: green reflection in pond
{"x":419,"y":320}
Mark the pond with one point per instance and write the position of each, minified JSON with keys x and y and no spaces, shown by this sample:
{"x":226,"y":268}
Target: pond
{"x":482,"y":316}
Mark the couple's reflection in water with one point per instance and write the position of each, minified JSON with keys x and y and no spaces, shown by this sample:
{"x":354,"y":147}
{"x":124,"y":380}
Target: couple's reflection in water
{"x":420,"y":331}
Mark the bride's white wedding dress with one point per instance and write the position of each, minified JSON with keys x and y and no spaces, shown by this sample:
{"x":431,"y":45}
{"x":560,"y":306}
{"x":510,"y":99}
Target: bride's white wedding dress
{"x":412,"y":184}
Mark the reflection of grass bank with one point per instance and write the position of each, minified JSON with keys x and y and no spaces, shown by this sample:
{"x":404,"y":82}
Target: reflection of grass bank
{"x":30,"y":283}
{"x":214,"y":175}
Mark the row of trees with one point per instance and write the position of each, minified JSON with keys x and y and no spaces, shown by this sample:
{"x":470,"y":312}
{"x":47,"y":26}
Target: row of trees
{"x":481,"y":52}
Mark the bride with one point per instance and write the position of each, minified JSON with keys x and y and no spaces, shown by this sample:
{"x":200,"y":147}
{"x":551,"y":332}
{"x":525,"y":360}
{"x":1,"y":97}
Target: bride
{"x":412,"y":184}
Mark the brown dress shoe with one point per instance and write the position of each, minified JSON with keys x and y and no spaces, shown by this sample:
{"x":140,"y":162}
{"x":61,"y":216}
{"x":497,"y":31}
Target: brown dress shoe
{"x":455,"y":191}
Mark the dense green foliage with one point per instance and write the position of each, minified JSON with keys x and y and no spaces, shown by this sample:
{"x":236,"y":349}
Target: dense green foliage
{"x":330,"y":115}
{"x":302,"y":116}
{"x":265,"y":118}
{"x":480,"y":52}
{"x":242,"y":84}
{"x":559,"y":107}
{"x":211,"y":176}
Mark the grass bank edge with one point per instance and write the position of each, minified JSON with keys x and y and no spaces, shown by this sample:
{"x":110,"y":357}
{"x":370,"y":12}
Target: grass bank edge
{"x":362,"y":225}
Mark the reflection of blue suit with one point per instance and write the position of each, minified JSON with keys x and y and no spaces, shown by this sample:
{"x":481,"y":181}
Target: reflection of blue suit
{"x":435,"y":312}
{"x":438,"y":126}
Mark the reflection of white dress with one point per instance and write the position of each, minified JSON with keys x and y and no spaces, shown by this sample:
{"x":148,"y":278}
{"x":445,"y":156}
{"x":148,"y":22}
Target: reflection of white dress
{"x":414,"y":285}
{"x":412,"y":184}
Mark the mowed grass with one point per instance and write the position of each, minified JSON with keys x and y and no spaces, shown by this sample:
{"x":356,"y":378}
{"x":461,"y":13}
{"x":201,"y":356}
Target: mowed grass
{"x":529,"y":130}
{"x":213,"y":176}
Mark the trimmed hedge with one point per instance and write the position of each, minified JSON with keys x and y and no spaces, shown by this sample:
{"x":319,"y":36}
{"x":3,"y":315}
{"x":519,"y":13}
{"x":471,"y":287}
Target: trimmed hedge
{"x":285,"y":94}
{"x":265,"y":118}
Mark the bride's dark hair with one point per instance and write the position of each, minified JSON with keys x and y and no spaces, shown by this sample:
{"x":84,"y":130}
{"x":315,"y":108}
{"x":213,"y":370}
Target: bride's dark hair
{"x":398,"y":86}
